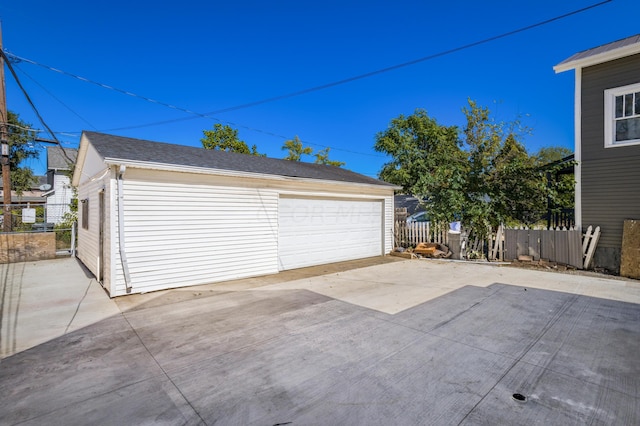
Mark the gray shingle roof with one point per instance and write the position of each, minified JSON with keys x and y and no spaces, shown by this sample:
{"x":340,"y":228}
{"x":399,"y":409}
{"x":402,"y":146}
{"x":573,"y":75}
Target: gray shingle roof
{"x":122,"y":148}
{"x":41,"y":180}
{"x":411,"y":203}
{"x":57,"y":160}
{"x":602,"y":49}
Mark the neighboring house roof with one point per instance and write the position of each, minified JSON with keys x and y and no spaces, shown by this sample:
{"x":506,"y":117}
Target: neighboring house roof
{"x":40,"y":180}
{"x":118,"y":149}
{"x":597,"y":55}
{"x":56,"y":159}
{"x":26,"y":197}
{"x":411,"y":203}
{"x":33,"y":195}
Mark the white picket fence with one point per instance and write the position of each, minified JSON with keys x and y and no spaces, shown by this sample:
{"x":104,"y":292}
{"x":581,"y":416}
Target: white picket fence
{"x":411,"y":234}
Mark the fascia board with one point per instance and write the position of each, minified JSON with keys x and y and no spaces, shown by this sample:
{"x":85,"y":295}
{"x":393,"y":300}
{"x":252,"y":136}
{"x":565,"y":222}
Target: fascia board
{"x":232,"y":173}
{"x":82,"y":154}
{"x":598,"y":58}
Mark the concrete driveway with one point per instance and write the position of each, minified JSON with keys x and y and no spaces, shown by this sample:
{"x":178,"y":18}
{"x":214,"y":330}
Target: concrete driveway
{"x":378,"y":341}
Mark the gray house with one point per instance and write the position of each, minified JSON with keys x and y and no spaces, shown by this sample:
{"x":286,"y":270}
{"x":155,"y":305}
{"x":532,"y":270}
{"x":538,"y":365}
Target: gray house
{"x":154,"y":216}
{"x":607,"y":141}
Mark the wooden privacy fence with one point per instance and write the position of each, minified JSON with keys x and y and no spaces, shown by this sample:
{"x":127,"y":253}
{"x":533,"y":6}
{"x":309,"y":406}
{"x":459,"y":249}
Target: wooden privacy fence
{"x":565,"y":246}
{"x":560,"y":245}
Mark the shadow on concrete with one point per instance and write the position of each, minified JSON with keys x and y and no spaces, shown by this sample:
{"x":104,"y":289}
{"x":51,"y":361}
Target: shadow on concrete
{"x":256,"y":357}
{"x":143,"y":301}
{"x":11,"y":287}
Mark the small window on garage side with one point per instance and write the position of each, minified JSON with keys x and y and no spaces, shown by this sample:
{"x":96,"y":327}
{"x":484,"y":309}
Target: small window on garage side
{"x":622,"y":116}
{"x":85,"y":213}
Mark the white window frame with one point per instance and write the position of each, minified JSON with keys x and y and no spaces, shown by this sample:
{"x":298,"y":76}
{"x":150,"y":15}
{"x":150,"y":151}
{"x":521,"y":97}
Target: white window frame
{"x":610,"y":117}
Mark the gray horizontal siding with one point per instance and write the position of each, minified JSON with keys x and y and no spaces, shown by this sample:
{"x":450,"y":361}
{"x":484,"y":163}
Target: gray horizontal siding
{"x":595,"y":80}
{"x":611,"y":176}
{"x":607,"y":202}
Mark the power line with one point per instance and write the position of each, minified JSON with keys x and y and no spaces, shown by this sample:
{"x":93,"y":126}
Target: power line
{"x":199,"y":115}
{"x":56,"y":98}
{"x":24,"y":128}
{"x":240,"y":126}
{"x":106,"y":86}
{"x":26,"y":95}
{"x":209,"y":115}
{"x":315,"y":88}
{"x":406,"y":64}
{"x":35,"y":110}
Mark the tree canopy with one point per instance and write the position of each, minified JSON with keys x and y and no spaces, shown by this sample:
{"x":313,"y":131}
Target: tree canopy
{"x":295,"y":149}
{"x":481,"y":174}
{"x":549,"y":160}
{"x":225,"y":138}
{"x":322,"y":157}
{"x":21,"y":148}
{"x":426,"y":159}
{"x":550,"y":154}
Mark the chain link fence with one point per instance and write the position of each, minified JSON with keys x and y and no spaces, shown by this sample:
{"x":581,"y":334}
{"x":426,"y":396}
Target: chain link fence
{"x":32,"y":217}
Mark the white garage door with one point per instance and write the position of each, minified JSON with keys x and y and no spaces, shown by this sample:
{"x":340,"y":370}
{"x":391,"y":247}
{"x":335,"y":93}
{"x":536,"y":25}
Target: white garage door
{"x":314,"y":231}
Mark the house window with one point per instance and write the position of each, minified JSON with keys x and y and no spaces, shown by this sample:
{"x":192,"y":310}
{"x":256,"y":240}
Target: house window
{"x":85,"y":213}
{"x":622,"y":116}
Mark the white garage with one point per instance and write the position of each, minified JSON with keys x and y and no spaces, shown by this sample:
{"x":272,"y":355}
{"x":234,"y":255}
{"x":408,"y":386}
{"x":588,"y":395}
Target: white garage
{"x":155,"y":216}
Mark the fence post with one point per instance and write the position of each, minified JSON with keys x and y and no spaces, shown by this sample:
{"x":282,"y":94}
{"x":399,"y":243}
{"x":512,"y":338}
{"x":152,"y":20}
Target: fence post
{"x":496,"y":252}
{"x":73,"y":239}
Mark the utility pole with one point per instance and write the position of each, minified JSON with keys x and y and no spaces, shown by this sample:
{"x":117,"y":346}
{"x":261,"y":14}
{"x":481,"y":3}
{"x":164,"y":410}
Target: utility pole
{"x":4,"y":139}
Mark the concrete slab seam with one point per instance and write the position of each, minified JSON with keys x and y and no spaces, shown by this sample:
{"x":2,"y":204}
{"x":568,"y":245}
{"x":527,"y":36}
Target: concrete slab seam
{"x":548,"y":325}
{"x":86,"y":291}
{"x":162,"y":369}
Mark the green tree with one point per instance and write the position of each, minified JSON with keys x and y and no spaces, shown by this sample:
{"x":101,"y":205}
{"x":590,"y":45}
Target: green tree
{"x":503,"y":184}
{"x":295,"y":149}
{"x":21,"y":148}
{"x":517,"y":189}
{"x":563,"y":182}
{"x":225,"y":138}
{"x":426,"y":160}
{"x":550,"y":154}
{"x":322,"y":157}
{"x":481,"y":174}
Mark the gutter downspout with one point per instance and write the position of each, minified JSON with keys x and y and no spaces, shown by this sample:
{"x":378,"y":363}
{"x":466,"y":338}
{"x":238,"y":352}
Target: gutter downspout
{"x":123,"y":254}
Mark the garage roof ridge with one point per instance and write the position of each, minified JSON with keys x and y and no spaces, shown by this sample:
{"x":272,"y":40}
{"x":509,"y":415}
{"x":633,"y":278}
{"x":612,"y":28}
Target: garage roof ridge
{"x":142,"y":151}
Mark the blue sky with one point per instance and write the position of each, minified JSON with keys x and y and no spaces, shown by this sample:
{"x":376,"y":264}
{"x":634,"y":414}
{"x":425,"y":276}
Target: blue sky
{"x":206,"y":56}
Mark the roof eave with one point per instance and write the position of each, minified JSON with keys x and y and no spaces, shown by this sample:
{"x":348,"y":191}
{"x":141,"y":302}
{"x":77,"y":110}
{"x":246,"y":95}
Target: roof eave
{"x":588,"y":61}
{"x":231,"y":173}
{"x":80,"y":158}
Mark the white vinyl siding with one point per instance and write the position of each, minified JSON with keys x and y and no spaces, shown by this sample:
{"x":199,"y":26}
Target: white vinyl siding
{"x":58,"y":202}
{"x":184,"y":229}
{"x":88,"y":239}
{"x":314,"y":231}
{"x":389,"y":213}
{"x":186,"y":233}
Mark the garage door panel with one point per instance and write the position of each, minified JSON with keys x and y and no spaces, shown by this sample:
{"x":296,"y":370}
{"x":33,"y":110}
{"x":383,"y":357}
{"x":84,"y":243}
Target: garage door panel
{"x":317,"y":231}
